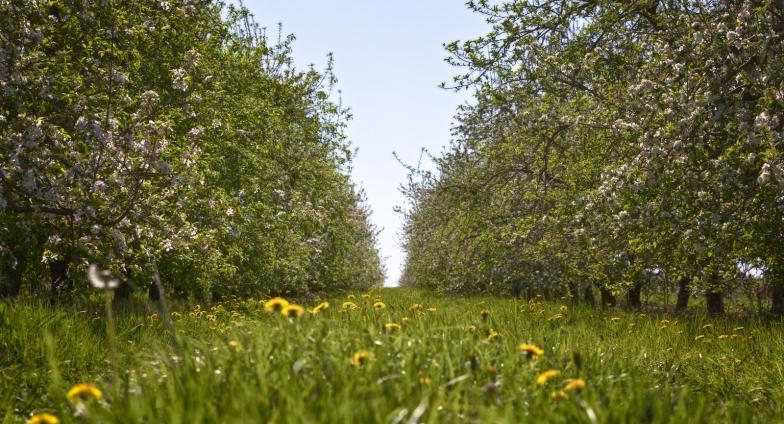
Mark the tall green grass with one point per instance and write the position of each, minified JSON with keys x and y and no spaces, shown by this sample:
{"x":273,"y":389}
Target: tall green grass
{"x":234,"y":362}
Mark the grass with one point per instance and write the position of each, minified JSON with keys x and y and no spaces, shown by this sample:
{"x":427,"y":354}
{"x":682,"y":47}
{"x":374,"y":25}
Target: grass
{"x":234,"y":362}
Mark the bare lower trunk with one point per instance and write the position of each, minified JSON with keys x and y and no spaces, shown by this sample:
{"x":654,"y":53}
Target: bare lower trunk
{"x":633,"y":296}
{"x":588,"y":296}
{"x":684,"y":293}
{"x":11,"y":277}
{"x":608,"y":299}
{"x":777,"y":296}
{"x":62,"y":282}
{"x":714,"y":302}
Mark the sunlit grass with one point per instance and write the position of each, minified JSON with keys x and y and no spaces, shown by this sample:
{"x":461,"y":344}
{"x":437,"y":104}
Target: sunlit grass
{"x":420,"y":357}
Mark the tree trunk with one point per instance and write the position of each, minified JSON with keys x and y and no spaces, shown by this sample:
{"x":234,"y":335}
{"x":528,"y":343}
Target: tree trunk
{"x":777,"y":296}
{"x":153,"y":293}
{"x":61,"y":279}
{"x":11,"y":277}
{"x":608,"y":299}
{"x":588,"y":296}
{"x":714,"y":302}
{"x":684,"y":293}
{"x":633,"y":296}
{"x":574,"y":291}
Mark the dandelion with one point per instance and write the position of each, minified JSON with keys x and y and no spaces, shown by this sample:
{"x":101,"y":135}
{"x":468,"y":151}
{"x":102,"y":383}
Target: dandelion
{"x":471,"y":328}
{"x":484,"y":313}
{"x":615,"y":319}
{"x":664,"y":322}
{"x":432,"y":310}
{"x":555,"y":317}
{"x":349,"y":306}
{"x":100,"y":279}
{"x":80,"y":394}
{"x":320,"y":307}
{"x":391,"y":326}
{"x":575,"y":385}
{"x":530,"y":350}
{"x":234,"y":344}
{"x":547,"y":376}
{"x":276,"y":304}
{"x":415,"y":307}
{"x":724,"y":336}
{"x":558,"y":394}
{"x":492,"y":335}
{"x":293,"y":311}
{"x":379,"y":305}
{"x":361,"y":358}
{"x":563,"y":308}
{"x":366,"y":296}
{"x":700,"y":337}
{"x":404,"y":319}
{"x":350,"y":297}
{"x":736,"y":329}
{"x":43,"y":418}
{"x":707,"y":326}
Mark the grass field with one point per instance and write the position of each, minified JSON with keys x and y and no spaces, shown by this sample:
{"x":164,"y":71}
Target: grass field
{"x":236,"y":362}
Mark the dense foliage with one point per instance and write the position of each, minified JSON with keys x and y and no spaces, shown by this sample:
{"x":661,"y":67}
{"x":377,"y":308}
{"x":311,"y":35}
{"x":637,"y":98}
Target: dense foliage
{"x":170,"y":139}
{"x":625,"y":146}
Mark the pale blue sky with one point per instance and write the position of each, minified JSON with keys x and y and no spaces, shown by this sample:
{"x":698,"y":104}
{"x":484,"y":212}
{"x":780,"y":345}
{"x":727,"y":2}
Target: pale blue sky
{"x":389,"y":60}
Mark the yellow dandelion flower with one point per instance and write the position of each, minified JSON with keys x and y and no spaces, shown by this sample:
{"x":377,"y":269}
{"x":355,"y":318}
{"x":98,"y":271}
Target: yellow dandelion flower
{"x":547,"y":376}
{"x":707,"y":326}
{"x":700,"y":337}
{"x":176,"y":315}
{"x":555,"y":317}
{"x":320,"y":307}
{"x":615,"y":319}
{"x":293,"y":311}
{"x":351,"y":297}
{"x":484,"y":313}
{"x":530,"y":350}
{"x":563,"y":308}
{"x":432,"y":310}
{"x":724,"y":336}
{"x":366,"y":296}
{"x":664,"y":322}
{"x":404,"y":319}
{"x":471,"y":328}
{"x":379,"y":305}
{"x":391,"y":326}
{"x":558,"y":394}
{"x":575,"y":384}
{"x":348,"y":306}
{"x":43,"y":418}
{"x":736,"y":329}
{"x":211,"y":317}
{"x":492,"y":335}
{"x":669,"y":349}
{"x":153,"y":317}
{"x":276,"y":304}
{"x":415,"y":307}
{"x":83,"y":392}
{"x":361,"y":358}
{"x":663,"y":327}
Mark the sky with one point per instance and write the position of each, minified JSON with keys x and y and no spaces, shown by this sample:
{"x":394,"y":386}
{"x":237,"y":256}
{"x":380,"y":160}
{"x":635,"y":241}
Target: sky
{"x":389,"y":61}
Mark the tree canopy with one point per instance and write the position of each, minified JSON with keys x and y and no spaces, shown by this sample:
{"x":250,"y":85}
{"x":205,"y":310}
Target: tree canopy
{"x":171,"y":139}
{"x":618,"y":145}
